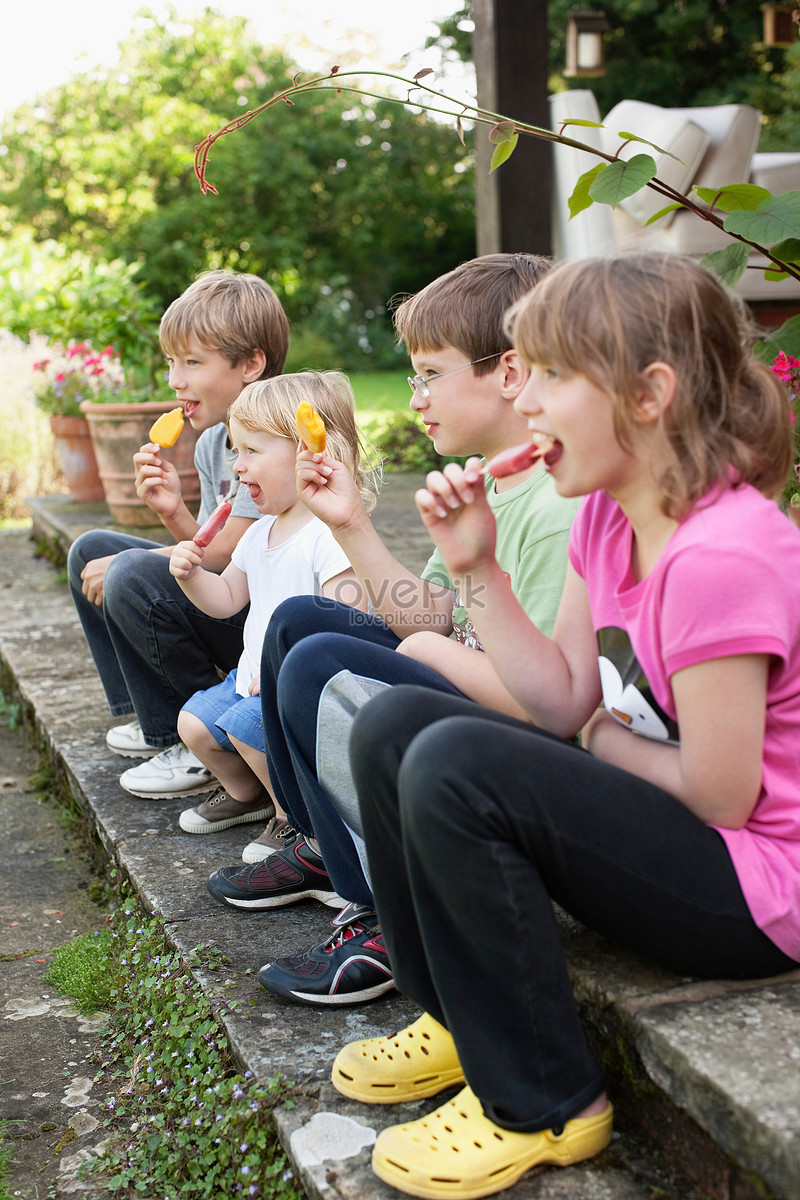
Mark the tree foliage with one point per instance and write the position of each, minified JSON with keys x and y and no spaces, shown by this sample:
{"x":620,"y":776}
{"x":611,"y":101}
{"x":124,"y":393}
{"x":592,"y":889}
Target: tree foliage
{"x":675,"y":53}
{"x":339,"y":206}
{"x":678,"y":54}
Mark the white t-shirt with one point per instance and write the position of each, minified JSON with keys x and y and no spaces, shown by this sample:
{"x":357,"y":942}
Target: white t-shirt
{"x":298,"y":567}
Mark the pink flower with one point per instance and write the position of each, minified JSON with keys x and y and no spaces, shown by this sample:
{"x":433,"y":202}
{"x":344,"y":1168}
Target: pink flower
{"x":784,"y":365}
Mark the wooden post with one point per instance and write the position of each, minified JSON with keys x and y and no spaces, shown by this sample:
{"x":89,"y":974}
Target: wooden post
{"x":513,"y":203}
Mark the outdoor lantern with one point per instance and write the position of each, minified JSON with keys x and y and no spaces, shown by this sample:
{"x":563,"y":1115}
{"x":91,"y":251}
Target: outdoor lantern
{"x":779,"y":28}
{"x":585,"y":51}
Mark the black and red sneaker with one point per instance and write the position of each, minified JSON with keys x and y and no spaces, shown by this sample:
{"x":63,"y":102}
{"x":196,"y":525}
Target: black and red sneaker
{"x":296,"y":873}
{"x":351,"y":967}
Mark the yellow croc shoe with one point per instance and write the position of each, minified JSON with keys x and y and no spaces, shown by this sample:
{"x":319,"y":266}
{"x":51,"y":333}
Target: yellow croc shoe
{"x":416,"y":1062}
{"x":457,"y":1151}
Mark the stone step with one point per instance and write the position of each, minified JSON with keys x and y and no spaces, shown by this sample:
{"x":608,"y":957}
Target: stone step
{"x":704,"y":1077}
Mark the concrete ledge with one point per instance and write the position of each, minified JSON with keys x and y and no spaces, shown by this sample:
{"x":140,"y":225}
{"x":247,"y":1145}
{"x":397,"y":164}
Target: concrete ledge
{"x":710,"y":1072}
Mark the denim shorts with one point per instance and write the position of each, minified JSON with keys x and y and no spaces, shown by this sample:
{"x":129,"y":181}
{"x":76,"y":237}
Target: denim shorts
{"x":224,"y":712}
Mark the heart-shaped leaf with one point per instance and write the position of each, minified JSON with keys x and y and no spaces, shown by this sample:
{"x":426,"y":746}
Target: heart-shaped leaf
{"x":619,"y":179}
{"x":503,"y":131}
{"x":776,"y":218}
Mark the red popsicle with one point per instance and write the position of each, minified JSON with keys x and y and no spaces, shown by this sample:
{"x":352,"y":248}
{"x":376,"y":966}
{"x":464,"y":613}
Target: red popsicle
{"x":212,"y":524}
{"x":517,"y":458}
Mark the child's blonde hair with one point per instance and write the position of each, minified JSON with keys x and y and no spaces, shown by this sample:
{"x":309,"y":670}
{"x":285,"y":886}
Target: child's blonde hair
{"x":270,"y":405}
{"x":466,"y":308}
{"x":609,"y":318}
{"x":232,"y":313}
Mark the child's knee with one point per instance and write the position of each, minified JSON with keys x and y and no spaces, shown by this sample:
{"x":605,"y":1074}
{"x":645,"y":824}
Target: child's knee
{"x":193,"y":732}
{"x":420,"y":646}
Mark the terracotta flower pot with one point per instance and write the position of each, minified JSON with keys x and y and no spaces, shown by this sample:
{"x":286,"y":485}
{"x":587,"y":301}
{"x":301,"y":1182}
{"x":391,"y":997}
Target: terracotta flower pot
{"x":117,"y":432}
{"x":76,"y":455}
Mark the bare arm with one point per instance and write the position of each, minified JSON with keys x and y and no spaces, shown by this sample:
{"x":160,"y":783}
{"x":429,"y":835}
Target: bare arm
{"x":219,"y":596}
{"x":469,"y":669}
{"x":346,"y":588}
{"x":218,"y":555}
{"x":554,"y":680}
{"x":402,"y":599}
{"x":716,"y":770}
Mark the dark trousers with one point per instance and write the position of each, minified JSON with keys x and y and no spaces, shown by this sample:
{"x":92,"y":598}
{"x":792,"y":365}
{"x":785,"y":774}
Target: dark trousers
{"x":474,"y":823}
{"x":309,"y":640}
{"x":152,"y":648}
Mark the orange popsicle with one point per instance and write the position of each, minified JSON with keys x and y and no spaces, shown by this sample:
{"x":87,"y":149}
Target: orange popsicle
{"x":167,"y":429}
{"x":310,"y":427}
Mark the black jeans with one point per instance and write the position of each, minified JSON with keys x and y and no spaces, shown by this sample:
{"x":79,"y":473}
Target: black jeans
{"x":474,"y":823}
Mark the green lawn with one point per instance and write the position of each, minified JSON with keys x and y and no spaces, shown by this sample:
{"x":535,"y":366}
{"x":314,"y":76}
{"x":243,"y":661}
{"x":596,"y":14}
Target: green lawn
{"x":379,"y":392}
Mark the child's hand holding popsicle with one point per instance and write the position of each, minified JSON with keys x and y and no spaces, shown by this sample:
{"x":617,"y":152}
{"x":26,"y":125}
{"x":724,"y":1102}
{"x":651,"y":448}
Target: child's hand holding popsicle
{"x":157,"y":481}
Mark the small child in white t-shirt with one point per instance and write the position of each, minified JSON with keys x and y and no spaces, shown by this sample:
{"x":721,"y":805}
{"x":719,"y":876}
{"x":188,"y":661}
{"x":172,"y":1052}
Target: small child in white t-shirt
{"x":287,"y":552}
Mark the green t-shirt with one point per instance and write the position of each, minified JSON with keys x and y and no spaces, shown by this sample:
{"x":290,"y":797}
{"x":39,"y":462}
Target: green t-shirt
{"x":533,"y":524}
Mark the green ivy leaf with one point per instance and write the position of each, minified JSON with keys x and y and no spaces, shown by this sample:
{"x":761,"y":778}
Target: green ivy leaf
{"x":736,"y":197}
{"x":776,"y":218}
{"x":503,"y":151}
{"x":621,"y":179}
{"x":580,"y":198}
{"x":728,"y":264}
{"x":787,"y":338}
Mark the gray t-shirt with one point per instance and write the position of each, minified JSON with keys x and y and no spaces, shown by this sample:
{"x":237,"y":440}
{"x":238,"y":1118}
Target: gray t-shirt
{"x":214,"y":460}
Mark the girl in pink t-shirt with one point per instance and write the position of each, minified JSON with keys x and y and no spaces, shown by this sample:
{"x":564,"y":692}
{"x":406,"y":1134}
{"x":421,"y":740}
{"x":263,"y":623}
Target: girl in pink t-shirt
{"x":676,"y":828}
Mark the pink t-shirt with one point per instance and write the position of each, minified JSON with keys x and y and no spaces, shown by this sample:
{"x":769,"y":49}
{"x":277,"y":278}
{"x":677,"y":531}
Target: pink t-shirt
{"x":727,"y":583}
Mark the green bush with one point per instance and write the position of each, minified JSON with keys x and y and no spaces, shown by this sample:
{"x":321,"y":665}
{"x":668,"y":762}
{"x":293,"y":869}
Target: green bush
{"x":404,"y":445}
{"x":70,"y":298}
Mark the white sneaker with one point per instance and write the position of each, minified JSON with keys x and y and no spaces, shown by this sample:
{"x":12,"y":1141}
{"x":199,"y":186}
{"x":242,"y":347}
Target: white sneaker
{"x":173,"y":772}
{"x":128,"y":740}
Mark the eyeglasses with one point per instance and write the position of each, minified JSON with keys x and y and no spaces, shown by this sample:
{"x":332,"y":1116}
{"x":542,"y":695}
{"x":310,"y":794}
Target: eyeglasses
{"x":420,"y":385}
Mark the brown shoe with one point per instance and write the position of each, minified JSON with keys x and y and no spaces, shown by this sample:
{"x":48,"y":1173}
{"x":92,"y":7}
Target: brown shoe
{"x":220,"y":811}
{"x":276,"y":836}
